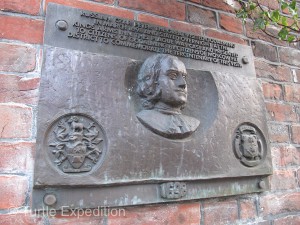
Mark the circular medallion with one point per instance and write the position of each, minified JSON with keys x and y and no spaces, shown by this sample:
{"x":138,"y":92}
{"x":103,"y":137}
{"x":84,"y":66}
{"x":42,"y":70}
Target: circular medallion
{"x":249,"y":145}
{"x":76,"y":143}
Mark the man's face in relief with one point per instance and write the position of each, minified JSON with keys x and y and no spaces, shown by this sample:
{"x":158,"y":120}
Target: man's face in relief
{"x":172,"y":82}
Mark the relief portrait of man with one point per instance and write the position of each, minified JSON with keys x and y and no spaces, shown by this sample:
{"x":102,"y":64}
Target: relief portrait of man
{"x":163,"y":89}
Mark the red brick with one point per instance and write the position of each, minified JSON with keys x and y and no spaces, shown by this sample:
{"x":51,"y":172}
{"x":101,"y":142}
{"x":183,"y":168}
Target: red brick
{"x":247,"y":209}
{"x":278,"y":133}
{"x":269,"y":3}
{"x":13,"y":191}
{"x":285,"y":156}
{"x":260,"y":35}
{"x":225,"y":37}
{"x":265,"y":51}
{"x":91,"y":6}
{"x":77,"y":219}
{"x":220,"y":212}
{"x":296,"y":134}
{"x":272,"y":91}
{"x":17,"y":58}
{"x":18,"y":89}
{"x":292,"y":93}
{"x":15,"y":121}
{"x":277,"y":73}
{"x":201,"y":16}
{"x":186,"y":27}
{"x":281,"y":112}
{"x":283,"y":180}
{"x":22,"y":29}
{"x":231,"y":6}
{"x":231,"y":23}
{"x":153,"y":20}
{"x":31,"y":7}
{"x":23,"y":218}
{"x":274,"y":204}
{"x":289,"y":56}
{"x":16,"y":157}
{"x":174,"y":214}
{"x":290,"y":220}
{"x":26,"y":84}
{"x":167,"y":8}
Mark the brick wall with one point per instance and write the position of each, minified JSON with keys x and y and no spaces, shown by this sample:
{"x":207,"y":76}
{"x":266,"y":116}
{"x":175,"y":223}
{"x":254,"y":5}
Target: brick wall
{"x":278,"y":71}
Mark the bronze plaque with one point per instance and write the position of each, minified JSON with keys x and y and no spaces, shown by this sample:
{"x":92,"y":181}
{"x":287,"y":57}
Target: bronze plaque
{"x":131,"y":113}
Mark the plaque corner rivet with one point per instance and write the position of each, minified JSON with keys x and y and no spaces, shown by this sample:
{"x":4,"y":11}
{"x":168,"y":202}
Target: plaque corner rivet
{"x":245,"y":60}
{"x":62,"y":25}
{"x":262,"y":184}
{"x":49,"y":199}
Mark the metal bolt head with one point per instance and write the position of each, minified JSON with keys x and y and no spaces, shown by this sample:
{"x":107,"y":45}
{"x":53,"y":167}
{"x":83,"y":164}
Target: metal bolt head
{"x":245,"y":60}
{"x":49,"y":199}
{"x":262,"y":184}
{"x":62,"y":25}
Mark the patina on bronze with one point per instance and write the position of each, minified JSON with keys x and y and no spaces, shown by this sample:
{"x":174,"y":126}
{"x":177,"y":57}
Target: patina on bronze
{"x":163,"y":89}
{"x":110,"y":135}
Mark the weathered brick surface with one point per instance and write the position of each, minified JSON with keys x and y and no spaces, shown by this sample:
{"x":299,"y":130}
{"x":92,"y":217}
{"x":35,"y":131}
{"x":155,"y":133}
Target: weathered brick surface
{"x":18,"y":89}
{"x":226,"y":37}
{"x":16,"y":157}
{"x":91,"y":6}
{"x":167,"y":8}
{"x":174,"y":214}
{"x":220,"y":212}
{"x":248,"y":209}
{"x":231,"y":23}
{"x":186,"y":27}
{"x":280,"y":84}
{"x":260,"y":35}
{"x":292,"y":93}
{"x":15,"y":121}
{"x":13,"y":191}
{"x":289,"y":220}
{"x":153,"y":20}
{"x":22,"y":29}
{"x":21,"y":218}
{"x":281,"y":112}
{"x":277,"y":73}
{"x":228,"y":6}
{"x":296,"y":134}
{"x":278,"y":133}
{"x":269,"y":3}
{"x":80,"y":218}
{"x":265,"y":51}
{"x":17,"y":58}
{"x":31,"y":7}
{"x":272,"y":91}
{"x":285,"y":156}
{"x":289,"y":56}
{"x":201,"y":16}
{"x":273,"y":204}
{"x":283,"y":180}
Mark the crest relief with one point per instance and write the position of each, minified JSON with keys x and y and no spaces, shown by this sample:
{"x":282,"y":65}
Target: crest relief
{"x":76,"y":143}
{"x":249,"y":145}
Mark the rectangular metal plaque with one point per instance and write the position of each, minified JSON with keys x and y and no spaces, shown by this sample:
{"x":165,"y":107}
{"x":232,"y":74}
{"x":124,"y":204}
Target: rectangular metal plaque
{"x":131,"y":113}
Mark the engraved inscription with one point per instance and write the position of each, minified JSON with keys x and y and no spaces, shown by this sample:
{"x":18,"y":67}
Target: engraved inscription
{"x":248,"y":145}
{"x":173,"y":190}
{"x":109,"y":30}
{"x":163,"y":89}
{"x":76,"y":143}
